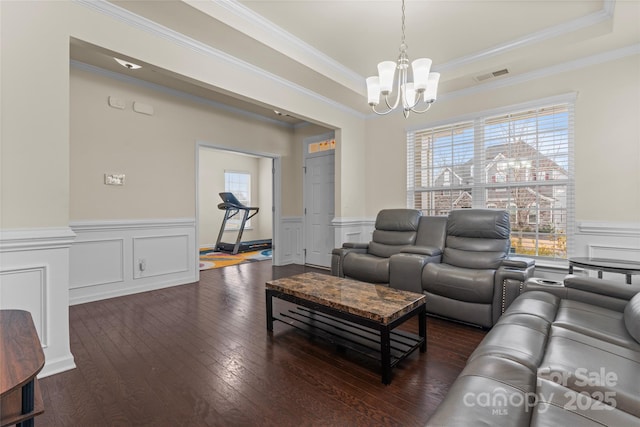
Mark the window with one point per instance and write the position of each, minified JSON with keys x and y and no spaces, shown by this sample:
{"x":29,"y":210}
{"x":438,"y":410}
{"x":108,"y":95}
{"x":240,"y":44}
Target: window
{"x":524,"y":157}
{"x":238,"y":183}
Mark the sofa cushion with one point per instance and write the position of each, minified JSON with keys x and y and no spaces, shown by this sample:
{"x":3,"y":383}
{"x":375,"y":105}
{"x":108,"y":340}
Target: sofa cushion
{"x":592,"y":369}
{"x":461,"y":284}
{"x":479,"y":223}
{"x":477,"y":238}
{"x":560,"y":406}
{"x":632,"y":317}
{"x":469,"y":252}
{"x":522,"y":344}
{"x":536,"y":303}
{"x":479,"y":401}
{"x":601,"y":323}
{"x":398,"y":219}
{"x":366,"y":267}
{"x":387,"y":243}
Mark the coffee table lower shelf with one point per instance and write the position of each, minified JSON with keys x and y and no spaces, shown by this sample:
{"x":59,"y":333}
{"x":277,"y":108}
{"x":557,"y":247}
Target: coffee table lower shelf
{"x":379,"y":341}
{"x":343,"y":334}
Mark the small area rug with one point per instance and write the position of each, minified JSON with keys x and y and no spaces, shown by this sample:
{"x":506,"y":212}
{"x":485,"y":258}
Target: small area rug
{"x":213,"y":259}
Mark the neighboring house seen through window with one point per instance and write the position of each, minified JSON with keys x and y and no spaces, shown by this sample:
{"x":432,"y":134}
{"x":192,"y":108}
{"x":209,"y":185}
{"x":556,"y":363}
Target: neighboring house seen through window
{"x":520,"y":160}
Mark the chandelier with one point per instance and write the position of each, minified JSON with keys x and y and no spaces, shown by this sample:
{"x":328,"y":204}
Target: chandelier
{"x":416,"y":95}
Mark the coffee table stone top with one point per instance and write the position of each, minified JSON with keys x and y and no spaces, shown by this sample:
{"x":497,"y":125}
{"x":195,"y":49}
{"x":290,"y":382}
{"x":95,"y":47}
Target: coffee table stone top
{"x":375,"y":302}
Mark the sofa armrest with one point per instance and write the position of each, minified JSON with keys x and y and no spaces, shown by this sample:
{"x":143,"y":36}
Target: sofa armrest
{"x":509,"y":283}
{"x":338,"y":254}
{"x":405,"y":270}
{"x":602,"y":287}
{"x":518,"y":262}
{"x":430,"y":251}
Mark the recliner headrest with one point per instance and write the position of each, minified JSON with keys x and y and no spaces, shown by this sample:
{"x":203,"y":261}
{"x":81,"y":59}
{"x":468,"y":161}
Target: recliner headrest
{"x":398,"y":219}
{"x":479,"y":223}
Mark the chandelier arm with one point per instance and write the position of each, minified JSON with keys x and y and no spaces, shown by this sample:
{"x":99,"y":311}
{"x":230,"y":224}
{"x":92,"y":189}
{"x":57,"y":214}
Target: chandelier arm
{"x":381,"y":113}
{"x":398,"y":94}
{"x":415,"y":104}
{"x":422,"y":111}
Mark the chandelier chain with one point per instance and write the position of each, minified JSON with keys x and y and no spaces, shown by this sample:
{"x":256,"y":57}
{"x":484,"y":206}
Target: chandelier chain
{"x":403,"y":45}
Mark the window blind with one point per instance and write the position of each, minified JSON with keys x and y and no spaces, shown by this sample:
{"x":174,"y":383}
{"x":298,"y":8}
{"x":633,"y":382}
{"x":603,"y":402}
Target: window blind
{"x":520,"y":161}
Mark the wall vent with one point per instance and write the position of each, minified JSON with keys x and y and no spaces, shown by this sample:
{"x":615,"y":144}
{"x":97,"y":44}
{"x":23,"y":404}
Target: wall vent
{"x":491,"y":75}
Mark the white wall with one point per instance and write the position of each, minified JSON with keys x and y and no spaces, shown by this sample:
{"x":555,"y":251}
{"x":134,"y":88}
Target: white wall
{"x":34,"y":171}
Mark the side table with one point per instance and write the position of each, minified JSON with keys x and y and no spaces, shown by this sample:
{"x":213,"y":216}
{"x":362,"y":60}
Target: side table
{"x":22,"y":359}
{"x":628,"y":268}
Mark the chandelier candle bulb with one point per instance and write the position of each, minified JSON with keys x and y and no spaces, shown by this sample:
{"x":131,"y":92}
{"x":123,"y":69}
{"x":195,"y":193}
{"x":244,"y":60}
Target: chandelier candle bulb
{"x":373,"y":90}
{"x":431,"y":93}
{"x":421,"y":68}
{"x":386,"y":72}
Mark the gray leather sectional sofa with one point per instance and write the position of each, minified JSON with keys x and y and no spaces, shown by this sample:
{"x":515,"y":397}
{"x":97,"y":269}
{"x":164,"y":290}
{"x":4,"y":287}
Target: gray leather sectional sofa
{"x":461,"y":262}
{"x":568,"y":356}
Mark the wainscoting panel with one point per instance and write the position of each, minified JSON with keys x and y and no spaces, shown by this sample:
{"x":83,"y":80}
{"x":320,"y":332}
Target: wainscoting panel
{"x":34,"y":276}
{"x":134,"y":256}
{"x":103,"y":260}
{"x":160,"y":255}
{"x":353,"y":230}
{"x":17,"y":283}
{"x":291,"y":241}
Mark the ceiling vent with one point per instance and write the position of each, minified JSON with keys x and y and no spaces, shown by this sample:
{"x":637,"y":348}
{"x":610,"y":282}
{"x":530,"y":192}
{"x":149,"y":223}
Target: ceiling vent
{"x":491,"y":75}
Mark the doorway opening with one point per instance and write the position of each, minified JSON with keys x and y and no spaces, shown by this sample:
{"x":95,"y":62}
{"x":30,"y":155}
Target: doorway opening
{"x":250,"y":177}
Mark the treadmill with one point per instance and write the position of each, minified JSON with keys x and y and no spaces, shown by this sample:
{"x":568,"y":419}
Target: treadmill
{"x":232,"y":207}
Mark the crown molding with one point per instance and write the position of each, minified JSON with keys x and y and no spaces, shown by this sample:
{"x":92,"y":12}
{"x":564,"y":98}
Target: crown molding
{"x":594,"y":18}
{"x":546,"y":72}
{"x":174,"y":92}
{"x":253,"y":19}
{"x":144,"y":24}
{"x":259,"y":28}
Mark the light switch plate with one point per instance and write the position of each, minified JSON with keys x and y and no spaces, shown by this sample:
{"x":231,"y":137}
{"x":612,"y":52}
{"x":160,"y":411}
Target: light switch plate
{"x":114,"y":179}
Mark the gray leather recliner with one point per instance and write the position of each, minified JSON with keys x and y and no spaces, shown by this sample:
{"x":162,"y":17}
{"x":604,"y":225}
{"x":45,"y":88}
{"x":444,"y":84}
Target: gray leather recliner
{"x":395,"y":229}
{"x":469,"y":284}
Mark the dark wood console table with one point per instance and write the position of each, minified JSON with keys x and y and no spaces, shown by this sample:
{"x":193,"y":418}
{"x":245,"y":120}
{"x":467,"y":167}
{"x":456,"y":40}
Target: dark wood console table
{"x":21,"y":360}
{"x":628,"y":268}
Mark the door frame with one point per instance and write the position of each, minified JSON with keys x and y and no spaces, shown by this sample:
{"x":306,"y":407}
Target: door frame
{"x":276,"y":183}
{"x":305,"y":155}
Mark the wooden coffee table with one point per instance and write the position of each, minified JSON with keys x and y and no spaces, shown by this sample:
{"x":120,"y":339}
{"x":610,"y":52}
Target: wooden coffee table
{"x":356,"y":315}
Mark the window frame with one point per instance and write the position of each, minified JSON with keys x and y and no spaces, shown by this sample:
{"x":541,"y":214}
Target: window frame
{"x":482,"y":183}
{"x":234,"y":223}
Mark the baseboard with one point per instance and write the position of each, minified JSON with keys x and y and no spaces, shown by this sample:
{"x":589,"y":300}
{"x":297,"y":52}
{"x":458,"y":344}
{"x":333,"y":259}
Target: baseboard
{"x":56,"y":366}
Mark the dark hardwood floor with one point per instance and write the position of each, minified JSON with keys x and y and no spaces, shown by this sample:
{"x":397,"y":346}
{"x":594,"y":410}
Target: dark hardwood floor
{"x":200,"y":354}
